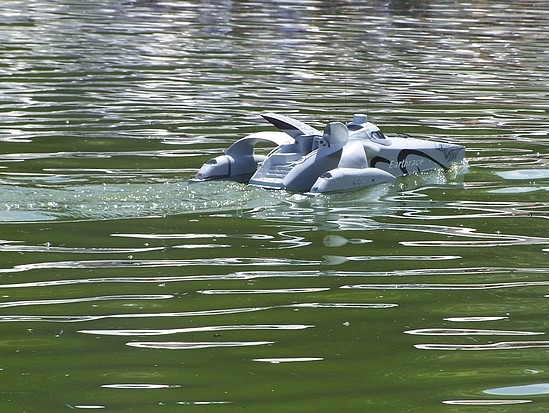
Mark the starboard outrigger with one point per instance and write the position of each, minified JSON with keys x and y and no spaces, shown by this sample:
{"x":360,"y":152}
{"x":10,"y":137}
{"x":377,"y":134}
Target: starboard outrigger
{"x":343,"y":157}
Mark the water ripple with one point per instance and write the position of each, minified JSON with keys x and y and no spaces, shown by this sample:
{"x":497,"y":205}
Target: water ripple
{"x":525,"y":174}
{"x":503,"y":345}
{"x":271,"y":291}
{"x":162,"y":332}
{"x":469,"y":332}
{"x":344,"y":305}
{"x":338,"y":259}
{"x":488,"y":402}
{"x":4,"y":247}
{"x":251,"y":275}
{"x":140,"y":386}
{"x":482,"y":239}
{"x":193,"y":236}
{"x":158,"y":263}
{"x":499,"y":241}
{"x":163,"y":279}
{"x":85,"y":318}
{"x":204,"y":402}
{"x":85,"y":300}
{"x":442,"y":286}
{"x":525,"y":390}
{"x":473,"y":209}
{"x":288,"y":360}
{"x":187,"y":345}
{"x":475,"y":319}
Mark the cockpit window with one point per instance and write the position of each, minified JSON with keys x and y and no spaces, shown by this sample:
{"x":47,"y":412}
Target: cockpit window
{"x":378,"y":135}
{"x":212,"y":162}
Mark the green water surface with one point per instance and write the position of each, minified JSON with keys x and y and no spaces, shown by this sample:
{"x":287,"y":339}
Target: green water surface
{"x":125,"y":288}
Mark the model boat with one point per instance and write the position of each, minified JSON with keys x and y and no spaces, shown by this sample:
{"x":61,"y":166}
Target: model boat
{"x":341,"y":158}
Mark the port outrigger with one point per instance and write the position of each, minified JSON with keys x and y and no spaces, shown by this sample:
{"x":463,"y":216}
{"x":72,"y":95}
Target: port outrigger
{"x":344,"y":157}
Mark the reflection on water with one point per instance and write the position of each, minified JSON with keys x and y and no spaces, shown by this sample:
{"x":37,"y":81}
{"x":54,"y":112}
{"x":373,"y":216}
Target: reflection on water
{"x":289,"y":360}
{"x":469,"y":332}
{"x":502,"y":345}
{"x":192,"y":330}
{"x":140,"y":386}
{"x":182,"y":345}
{"x":530,"y":389}
{"x":388,"y":298}
{"x":491,"y":402}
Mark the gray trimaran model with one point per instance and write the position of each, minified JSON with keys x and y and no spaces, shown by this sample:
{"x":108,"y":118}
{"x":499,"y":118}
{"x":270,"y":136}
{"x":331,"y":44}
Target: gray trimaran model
{"x":342,"y":158}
